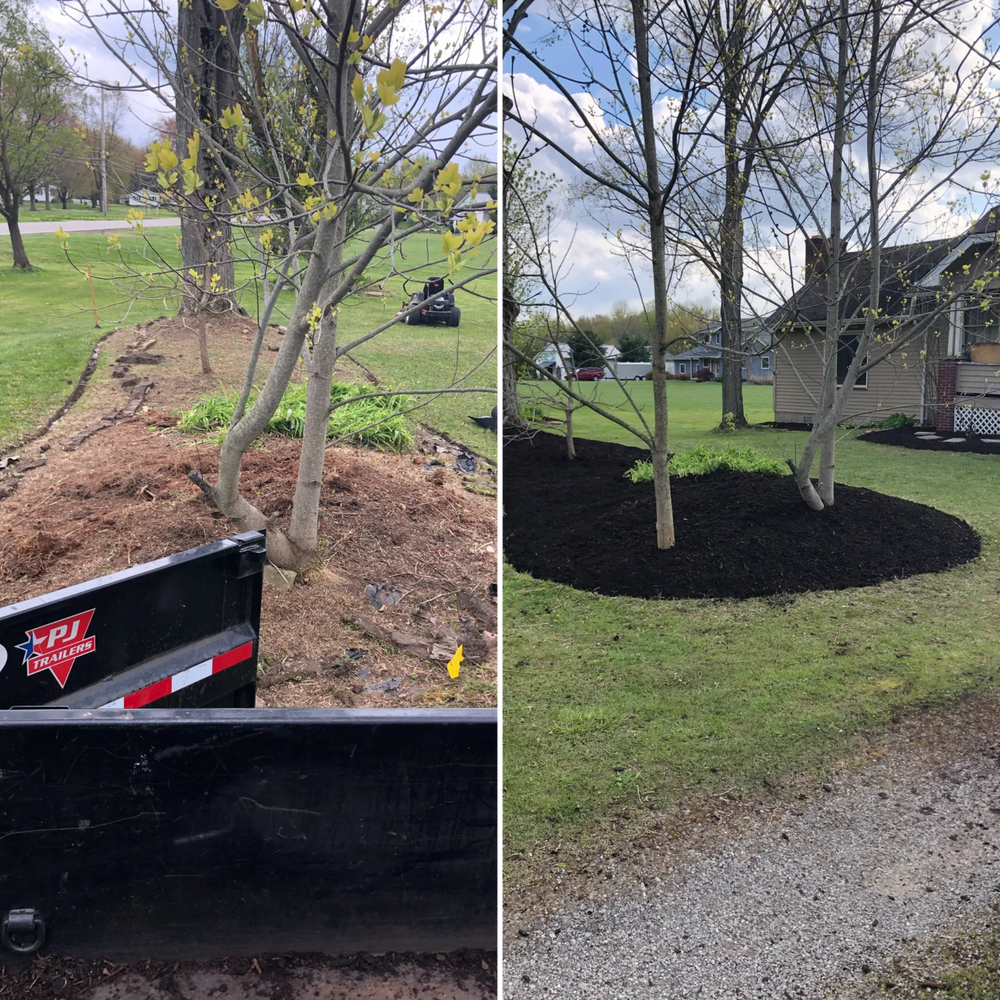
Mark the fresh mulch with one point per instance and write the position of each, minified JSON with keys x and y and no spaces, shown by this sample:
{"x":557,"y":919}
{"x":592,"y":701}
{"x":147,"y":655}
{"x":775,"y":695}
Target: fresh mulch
{"x":906,"y":437}
{"x":738,"y":534}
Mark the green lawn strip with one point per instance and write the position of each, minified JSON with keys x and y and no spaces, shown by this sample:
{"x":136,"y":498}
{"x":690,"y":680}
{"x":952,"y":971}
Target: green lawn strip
{"x":49,"y":332}
{"x":695,"y":409}
{"x":710,"y":696}
{"x":79,"y":213}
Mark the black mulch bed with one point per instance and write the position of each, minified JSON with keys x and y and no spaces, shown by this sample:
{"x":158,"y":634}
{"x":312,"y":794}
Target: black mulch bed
{"x":905,"y":437}
{"x":784,"y":425}
{"x":738,"y":534}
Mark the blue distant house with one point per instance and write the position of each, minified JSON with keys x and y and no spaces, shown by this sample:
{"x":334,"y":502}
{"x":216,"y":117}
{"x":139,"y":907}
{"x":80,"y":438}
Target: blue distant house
{"x":708,"y":353}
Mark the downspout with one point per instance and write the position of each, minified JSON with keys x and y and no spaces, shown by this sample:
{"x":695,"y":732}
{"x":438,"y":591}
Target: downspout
{"x":923,"y":383}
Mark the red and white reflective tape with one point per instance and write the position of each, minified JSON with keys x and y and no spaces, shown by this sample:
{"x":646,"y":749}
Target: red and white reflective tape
{"x":199,"y":672}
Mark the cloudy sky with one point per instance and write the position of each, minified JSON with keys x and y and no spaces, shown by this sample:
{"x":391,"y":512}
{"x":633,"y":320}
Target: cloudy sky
{"x":596,"y":271}
{"x":93,"y":59}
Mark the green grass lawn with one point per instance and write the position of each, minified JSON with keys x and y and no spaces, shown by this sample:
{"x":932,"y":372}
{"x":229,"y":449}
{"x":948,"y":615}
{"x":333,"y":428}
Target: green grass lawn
{"x":48,"y":330}
{"x":621,"y":702}
{"x":74,"y":213}
{"x":695,"y":408}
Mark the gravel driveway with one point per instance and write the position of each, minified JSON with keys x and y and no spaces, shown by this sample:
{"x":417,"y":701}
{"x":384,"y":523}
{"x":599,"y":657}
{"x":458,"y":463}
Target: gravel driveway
{"x":810,"y":898}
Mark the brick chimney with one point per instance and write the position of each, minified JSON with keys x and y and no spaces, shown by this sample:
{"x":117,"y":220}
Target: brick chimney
{"x":815,"y":257}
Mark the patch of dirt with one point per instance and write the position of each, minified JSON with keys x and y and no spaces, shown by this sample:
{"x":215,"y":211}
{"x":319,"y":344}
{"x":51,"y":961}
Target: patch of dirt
{"x":123,"y":498}
{"x":906,"y":437}
{"x":738,"y":534}
{"x":469,"y":975}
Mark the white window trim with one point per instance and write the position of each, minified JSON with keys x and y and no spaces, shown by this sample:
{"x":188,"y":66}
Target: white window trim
{"x":933,"y":278}
{"x":840,"y":385}
{"x":765,"y":363}
{"x":864,"y":375}
{"x":962,"y":304}
{"x":956,"y":328}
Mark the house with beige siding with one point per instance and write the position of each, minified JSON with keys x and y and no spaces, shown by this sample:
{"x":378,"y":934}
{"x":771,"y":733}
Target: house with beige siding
{"x":937,"y":338}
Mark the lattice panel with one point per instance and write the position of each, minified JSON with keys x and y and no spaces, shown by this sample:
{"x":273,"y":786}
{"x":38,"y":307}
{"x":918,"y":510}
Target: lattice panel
{"x":983,"y":422}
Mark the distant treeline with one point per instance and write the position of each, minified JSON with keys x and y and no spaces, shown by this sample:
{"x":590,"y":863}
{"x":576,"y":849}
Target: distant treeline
{"x":625,"y":321}
{"x":626,"y":328}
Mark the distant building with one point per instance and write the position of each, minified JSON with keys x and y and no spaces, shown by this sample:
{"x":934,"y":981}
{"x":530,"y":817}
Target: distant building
{"x":556,"y":359}
{"x":758,"y":362}
{"x":945,"y":376}
{"x":143,"y":198}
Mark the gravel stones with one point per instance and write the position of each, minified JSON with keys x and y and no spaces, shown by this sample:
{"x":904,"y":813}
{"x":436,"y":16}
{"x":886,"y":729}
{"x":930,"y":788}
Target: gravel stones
{"x":799,"y":905}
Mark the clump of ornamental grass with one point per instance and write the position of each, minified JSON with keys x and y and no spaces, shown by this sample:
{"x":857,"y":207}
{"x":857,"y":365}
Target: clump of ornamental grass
{"x":703,"y":459}
{"x":375,"y":423}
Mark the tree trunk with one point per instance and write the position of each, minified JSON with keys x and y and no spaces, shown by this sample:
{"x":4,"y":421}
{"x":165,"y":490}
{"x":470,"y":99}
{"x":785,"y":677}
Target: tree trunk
{"x":570,"y":445}
{"x":824,"y":432}
{"x":657,"y":235}
{"x":731,"y":230}
{"x":208,"y":67}
{"x":21,"y":262}
{"x":206,"y":365}
{"x":510,"y":408}
{"x":304,"y":528}
{"x":31,"y":198}
{"x":48,"y":202}
{"x":804,"y":483}
{"x":226,"y":492}
{"x":827,"y":467}
{"x":321,"y":360}
{"x":64,"y":198}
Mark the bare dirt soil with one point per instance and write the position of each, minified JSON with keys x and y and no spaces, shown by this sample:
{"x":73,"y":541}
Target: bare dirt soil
{"x":457,"y":976}
{"x":105,"y":487}
{"x":120,"y":496}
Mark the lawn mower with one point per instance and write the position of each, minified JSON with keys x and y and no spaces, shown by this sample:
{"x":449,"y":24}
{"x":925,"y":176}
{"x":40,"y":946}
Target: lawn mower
{"x":440,"y":305}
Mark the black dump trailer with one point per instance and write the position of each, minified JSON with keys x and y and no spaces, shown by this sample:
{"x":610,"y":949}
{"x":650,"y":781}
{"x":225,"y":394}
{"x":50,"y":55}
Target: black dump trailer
{"x":148,"y":810}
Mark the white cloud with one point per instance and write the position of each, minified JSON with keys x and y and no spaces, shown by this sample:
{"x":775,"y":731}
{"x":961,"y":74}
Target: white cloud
{"x":552,"y":114}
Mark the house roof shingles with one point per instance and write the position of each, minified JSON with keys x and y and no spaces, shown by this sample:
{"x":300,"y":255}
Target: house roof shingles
{"x":902,"y":267}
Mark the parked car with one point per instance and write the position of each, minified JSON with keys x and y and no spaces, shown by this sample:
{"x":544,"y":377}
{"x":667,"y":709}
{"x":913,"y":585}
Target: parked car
{"x":440,"y":307}
{"x":587,"y":374}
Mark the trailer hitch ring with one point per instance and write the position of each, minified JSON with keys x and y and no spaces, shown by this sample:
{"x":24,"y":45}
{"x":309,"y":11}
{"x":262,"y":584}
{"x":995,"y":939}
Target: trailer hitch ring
{"x":19,"y":925}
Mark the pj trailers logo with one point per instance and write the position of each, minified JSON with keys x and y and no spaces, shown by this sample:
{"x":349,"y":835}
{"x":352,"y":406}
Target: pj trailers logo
{"x":57,"y":646}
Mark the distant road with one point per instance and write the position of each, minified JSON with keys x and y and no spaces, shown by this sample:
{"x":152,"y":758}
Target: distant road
{"x":85,"y":225}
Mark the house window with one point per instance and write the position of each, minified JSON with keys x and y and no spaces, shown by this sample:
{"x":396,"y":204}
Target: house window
{"x":845,"y":355}
{"x":765,"y":362}
{"x":981,"y":321}
{"x":682,"y":368}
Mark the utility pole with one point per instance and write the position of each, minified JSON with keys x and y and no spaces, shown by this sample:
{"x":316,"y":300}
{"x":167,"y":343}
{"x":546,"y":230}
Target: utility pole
{"x":104,"y":164}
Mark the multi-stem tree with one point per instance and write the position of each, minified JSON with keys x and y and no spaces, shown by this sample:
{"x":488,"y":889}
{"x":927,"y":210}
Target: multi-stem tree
{"x":753,"y":62}
{"x":900,"y":96}
{"x":399,"y":91}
